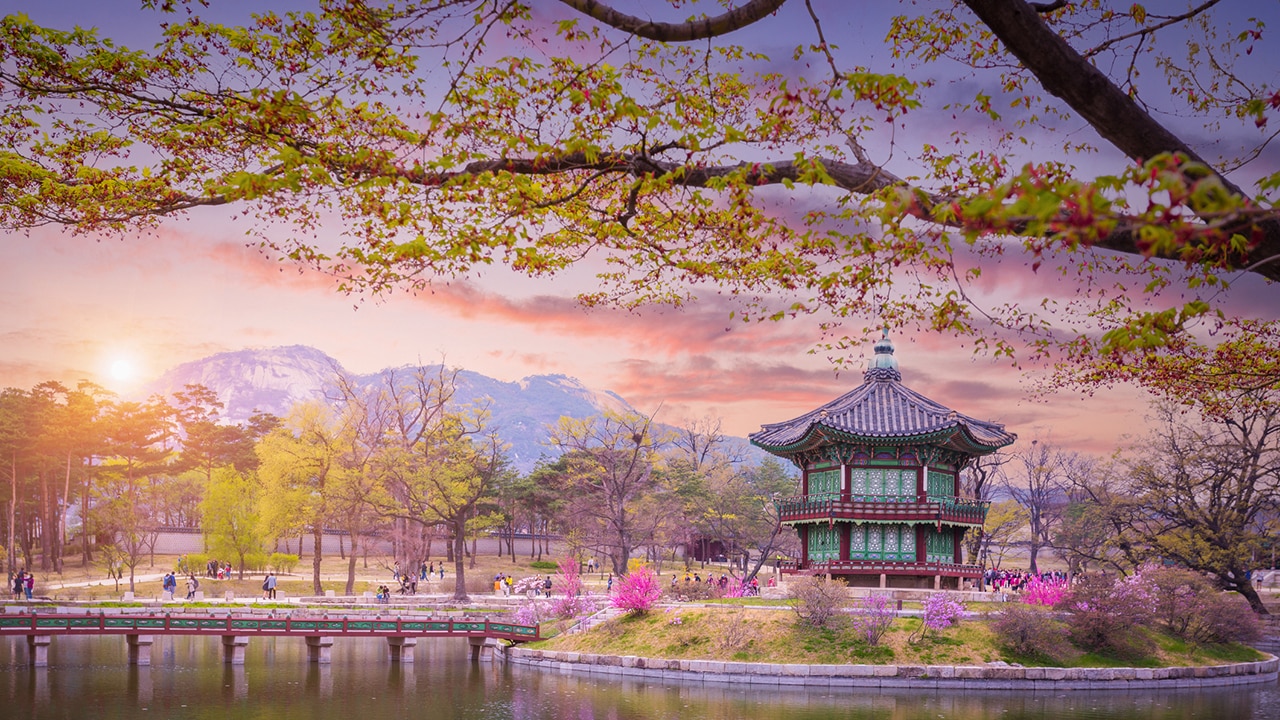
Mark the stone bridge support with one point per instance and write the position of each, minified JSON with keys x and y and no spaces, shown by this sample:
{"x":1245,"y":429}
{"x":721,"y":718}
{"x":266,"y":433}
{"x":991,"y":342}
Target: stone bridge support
{"x":483,"y":648}
{"x":318,"y":649}
{"x":38,"y":650}
{"x":233,"y":649}
{"x":139,"y":649}
{"x":401,"y":648}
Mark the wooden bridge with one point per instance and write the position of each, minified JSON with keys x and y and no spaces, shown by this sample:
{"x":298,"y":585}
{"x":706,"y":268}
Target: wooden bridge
{"x":402,"y":633}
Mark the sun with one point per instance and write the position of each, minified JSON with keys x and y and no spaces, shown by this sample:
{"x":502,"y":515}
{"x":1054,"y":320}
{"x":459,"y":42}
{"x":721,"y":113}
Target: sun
{"x":122,"y":370}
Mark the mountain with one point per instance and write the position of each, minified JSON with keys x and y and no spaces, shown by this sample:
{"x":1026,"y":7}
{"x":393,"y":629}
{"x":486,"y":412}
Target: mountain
{"x":274,"y":379}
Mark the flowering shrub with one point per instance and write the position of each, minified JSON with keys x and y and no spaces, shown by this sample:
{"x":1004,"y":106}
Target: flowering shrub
{"x":736,"y":588}
{"x":574,"y":602}
{"x":1107,"y":615}
{"x":1193,"y":609}
{"x":873,"y":616}
{"x":531,"y":613}
{"x":637,"y":592}
{"x":1029,"y":632}
{"x":941,"y":611}
{"x":527,"y":586}
{"x":1040,"y":592}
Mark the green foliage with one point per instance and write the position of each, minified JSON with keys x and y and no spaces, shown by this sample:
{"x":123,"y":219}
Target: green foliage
{"x":232,"y":519}
{"x":282,"y":562}
{"x":543,"y":565}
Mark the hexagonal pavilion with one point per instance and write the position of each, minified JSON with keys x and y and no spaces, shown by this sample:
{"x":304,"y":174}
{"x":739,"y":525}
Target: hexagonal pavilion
{"x":879,"y":502}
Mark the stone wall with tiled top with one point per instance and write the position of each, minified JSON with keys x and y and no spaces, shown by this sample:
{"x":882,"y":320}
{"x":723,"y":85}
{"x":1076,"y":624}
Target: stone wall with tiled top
{"x":983,"y":677}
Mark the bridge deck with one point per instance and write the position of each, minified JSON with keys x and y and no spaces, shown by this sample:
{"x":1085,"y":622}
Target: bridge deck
{"x":231,"y":624}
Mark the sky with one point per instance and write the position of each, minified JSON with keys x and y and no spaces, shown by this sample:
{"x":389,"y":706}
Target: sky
{"x":120,"y":310}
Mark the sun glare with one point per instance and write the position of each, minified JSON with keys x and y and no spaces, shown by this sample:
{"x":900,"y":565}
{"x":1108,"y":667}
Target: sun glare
{"x":122,"y":370}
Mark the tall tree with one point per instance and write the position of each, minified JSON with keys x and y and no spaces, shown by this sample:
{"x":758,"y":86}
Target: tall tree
{"x":231,"y":515}
{"x":610,"y":476}
{"x":1202,"y":486}
{"x":14,"y":443}
{"x":666,"y":146}
{"x":1039,"y":486}
{"x":300,"y":468}
{"x":443,"y":459}
{"x":136,"y":450}
{"x":978,"y":481}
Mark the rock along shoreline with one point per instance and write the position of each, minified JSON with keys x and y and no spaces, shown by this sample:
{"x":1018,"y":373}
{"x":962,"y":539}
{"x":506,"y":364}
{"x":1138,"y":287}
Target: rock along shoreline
{"x":939,"y":677}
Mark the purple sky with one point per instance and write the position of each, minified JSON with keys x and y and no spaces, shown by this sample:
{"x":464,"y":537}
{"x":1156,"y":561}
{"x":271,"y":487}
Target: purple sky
{"x":75,"y":306}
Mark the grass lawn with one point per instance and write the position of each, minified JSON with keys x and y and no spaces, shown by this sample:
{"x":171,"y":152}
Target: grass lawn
{"x":746,"y":635}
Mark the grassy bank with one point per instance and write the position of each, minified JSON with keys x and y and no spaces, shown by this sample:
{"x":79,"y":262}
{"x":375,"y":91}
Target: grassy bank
{"x":743,"y":635}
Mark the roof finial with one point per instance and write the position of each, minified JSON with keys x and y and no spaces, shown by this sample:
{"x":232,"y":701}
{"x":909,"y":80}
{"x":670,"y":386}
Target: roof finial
{"x":883,"y":365}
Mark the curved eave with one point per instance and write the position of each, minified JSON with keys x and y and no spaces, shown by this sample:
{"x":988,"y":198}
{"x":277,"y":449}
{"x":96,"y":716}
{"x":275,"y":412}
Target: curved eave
{"x":954,"y":436}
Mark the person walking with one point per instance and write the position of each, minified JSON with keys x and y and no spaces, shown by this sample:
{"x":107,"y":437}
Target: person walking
{"x":19,"y":584}
{"x":271,"y":586}
{"x":192,"y":585}
{"x":29,"y":585}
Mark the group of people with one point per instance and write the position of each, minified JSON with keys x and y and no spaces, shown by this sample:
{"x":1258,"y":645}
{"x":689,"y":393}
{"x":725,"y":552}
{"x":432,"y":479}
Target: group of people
{"x":1017,"y":580}
{"x":502,"y":584}
{"x":169,"y":583}
{"x":269,"y":587}
{"x":217,"y":570}
{"x":23,"y":585}
{"x":751,"y":588}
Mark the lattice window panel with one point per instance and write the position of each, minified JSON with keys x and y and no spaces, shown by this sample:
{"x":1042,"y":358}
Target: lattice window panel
{"x":858,"y":541}
{"x":941,"y":484}
{"x":824,"y":543}
{"x":882,"y":542}
{"x":939,"y":547}
{"x":858,"y":481}
{"x":824,"y":482}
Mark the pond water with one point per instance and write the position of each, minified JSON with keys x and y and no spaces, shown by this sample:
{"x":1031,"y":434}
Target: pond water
{"x":90,"y":678}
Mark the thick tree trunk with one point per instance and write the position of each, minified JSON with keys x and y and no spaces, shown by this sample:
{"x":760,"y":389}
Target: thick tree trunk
{"x":317,"y":538}
{"x":459,"y":571}
{"x":46,"y":537}
{"x":351,"y":568}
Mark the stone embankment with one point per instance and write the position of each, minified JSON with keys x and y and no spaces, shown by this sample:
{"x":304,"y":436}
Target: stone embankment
{"x":983,"y":677}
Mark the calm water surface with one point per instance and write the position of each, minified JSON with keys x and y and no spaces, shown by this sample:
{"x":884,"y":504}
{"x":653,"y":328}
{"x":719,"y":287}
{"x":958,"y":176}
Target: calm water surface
{"x":90,"y":678}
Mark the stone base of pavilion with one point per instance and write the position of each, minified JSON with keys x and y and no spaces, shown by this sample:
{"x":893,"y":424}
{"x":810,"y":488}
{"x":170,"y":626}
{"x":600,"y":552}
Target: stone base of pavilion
{"x":895,"y":575}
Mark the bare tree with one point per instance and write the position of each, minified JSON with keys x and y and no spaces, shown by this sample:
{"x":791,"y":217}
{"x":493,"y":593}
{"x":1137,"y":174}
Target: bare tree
{"x":1040,"y":488}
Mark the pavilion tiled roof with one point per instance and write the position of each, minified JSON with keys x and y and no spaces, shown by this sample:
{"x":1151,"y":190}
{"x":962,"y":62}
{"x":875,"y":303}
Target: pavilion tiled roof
{"x":883,"y":408}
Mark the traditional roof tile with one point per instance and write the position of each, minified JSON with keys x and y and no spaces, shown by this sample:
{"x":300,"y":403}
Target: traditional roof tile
{"x":882,"y":407}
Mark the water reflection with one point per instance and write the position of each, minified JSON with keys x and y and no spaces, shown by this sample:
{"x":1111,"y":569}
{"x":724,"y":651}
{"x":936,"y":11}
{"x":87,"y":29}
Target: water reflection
{"x":90,"y":678}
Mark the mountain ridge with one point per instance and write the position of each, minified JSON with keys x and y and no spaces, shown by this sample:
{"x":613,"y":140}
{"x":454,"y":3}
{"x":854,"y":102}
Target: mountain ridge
{"x":274,"y":379}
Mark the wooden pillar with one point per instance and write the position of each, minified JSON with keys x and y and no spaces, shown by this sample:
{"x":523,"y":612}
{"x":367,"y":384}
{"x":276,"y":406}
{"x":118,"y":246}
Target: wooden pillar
{"x":921,"y":550}
{"x":921,"y":486}
{"x":233,"y":649}
{"x":846,"y":485}
{"x":318,"y":649}
{"x":139,"y":649}
{"x":804,"y":547}
{"x":401,"y":648}
{"x":845,"y":529}
{"x":38,"y":650}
